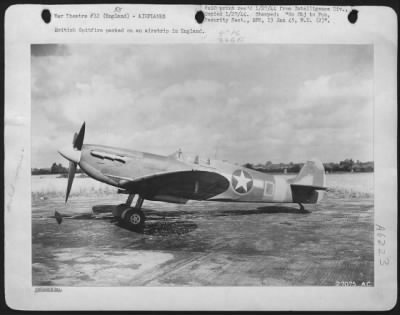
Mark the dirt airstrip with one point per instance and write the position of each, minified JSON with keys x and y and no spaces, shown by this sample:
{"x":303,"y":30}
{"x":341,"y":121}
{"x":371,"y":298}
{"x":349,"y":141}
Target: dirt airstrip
{"x":203,"y":243}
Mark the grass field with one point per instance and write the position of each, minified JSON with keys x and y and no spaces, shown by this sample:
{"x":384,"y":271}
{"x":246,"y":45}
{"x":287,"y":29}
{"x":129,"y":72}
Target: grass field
{"x":350,"y":185}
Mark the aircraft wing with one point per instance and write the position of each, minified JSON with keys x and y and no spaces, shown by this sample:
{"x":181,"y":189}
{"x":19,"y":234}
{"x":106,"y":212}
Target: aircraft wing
{"x":191,"y":184}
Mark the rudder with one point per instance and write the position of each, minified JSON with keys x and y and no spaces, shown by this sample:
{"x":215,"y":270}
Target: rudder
{"x":311,"y":174}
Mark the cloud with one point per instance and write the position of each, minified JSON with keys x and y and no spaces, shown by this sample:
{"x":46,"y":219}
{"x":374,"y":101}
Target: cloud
{"x":337,"y":88}
{"x":339,"y":101}
{"x":252,"y":102}
{"x":333,"y":114}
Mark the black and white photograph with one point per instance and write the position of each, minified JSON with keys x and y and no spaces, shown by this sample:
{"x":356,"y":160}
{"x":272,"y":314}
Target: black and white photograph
{"x":218,"y":165}
{"x":200,"y":157}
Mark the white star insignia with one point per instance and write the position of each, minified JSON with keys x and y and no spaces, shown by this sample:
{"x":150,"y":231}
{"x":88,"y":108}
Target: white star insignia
{"x":241,"y":181}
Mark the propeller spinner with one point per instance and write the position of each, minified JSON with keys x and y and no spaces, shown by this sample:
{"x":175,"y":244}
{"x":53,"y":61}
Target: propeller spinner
{"x":73,"y":155}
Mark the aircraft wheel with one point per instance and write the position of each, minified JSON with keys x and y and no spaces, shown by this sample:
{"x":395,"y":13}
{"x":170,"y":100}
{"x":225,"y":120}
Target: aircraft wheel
{"x":134,"y":218}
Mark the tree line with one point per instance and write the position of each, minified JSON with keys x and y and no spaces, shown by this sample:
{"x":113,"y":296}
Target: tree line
{"x":54,"y":169}
{"x":347,"y":165}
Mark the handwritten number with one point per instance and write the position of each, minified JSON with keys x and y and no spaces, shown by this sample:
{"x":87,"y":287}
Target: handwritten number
{"x":384,"y":261}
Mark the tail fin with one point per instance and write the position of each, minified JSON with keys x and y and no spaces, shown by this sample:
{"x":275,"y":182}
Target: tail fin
{"x":309,"y":184}
{"x":311,"y":174}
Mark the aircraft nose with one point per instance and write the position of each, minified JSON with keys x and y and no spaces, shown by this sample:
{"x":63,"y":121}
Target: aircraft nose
{"x":70,"y":154}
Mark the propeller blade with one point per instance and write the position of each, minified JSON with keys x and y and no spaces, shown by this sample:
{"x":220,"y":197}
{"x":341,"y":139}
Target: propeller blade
{"x":74,"y":139}
{"x":71,"y":175}
{"x":78,"y":141}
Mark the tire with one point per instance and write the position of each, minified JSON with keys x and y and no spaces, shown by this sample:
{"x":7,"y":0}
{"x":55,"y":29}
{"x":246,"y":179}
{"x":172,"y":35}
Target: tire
{"x":134,"y":218}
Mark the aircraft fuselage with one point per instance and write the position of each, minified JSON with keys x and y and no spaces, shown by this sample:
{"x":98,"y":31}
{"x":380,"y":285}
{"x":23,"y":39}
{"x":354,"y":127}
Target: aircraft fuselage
{"x":121,"y":167}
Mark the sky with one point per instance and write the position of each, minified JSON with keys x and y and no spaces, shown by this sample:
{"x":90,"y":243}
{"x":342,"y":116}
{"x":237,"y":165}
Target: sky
{"x":243,"y":103}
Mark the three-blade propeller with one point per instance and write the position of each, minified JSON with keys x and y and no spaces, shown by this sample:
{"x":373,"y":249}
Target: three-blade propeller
{"x":73,"y":155}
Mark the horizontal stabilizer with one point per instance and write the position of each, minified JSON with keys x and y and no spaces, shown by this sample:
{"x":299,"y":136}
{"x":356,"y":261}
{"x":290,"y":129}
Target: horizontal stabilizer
{"x":310,"y":187}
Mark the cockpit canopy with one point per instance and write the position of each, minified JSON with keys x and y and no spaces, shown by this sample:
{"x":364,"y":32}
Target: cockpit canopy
{"x":190,"y":158}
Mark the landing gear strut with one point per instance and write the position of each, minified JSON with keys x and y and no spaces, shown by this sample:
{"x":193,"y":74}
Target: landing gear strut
{"x":301,"y":207}
{"x":132,"y":217}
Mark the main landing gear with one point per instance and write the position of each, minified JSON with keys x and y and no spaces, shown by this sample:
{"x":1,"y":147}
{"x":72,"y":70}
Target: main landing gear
{"x":131,"y":217}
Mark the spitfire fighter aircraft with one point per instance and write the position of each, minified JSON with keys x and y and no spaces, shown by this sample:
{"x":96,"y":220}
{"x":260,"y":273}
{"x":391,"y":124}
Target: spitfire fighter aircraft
{"x":177,"y":179}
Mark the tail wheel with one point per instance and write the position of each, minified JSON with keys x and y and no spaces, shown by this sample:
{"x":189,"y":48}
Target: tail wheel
{"x":134,"y":218}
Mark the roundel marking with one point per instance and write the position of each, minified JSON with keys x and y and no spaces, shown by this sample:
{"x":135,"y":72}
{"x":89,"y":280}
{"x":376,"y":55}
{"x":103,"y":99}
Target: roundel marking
{"x":242,"y":182}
